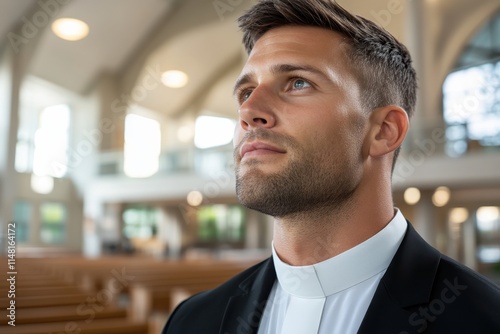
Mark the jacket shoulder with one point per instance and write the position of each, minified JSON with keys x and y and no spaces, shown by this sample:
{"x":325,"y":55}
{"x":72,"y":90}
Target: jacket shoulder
{"x":468,"y":279}
{"x":203,"y":312}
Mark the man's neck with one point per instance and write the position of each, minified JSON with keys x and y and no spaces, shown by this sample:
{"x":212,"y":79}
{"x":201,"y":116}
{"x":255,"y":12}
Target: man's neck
{"x":312,"y":237}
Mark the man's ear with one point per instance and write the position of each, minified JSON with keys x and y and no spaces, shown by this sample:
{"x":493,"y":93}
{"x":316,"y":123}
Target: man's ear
{"x":389,"y":126}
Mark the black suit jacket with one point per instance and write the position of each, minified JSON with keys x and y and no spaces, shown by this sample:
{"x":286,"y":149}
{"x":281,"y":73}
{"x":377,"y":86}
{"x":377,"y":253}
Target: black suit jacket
{"x":422,"y":291}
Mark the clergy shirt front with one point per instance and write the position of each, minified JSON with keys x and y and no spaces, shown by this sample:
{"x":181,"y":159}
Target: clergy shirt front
{"x":331,"y":297}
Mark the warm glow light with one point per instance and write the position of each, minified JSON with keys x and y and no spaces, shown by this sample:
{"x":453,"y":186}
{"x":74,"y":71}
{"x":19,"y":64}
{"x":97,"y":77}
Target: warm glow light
{"x":194,"y":198}
{"x":412,"y":196}
{"x":70,"y":29}
{"x":441,"y":196}
{"x":174,"y":79}
{"x":459,"y":215}
{"x":42,"y":184}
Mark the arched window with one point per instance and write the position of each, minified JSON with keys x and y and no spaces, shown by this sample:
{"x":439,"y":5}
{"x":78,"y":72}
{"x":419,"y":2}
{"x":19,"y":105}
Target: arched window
{"x":471,"y":94}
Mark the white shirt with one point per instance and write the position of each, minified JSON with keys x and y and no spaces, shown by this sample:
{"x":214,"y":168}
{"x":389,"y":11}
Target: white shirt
{"x":331,"y":297}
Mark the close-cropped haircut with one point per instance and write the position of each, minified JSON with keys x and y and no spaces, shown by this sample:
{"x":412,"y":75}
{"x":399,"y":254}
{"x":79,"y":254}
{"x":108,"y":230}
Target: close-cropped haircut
{"x":381,"y":63}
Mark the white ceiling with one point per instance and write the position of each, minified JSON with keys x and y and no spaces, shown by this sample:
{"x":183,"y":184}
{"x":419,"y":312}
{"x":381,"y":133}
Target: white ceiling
{"x":117,"y":29}
{"x":11,"y":12}
{"x":128,"y":38}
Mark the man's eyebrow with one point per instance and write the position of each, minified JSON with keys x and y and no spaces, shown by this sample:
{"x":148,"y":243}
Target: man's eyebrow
{"x":279,"y":69}
{"x":285,"y":68}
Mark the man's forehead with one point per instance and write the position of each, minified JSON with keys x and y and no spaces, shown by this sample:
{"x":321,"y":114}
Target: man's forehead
{"x":297,"y":41}
{"x":296,"y":45}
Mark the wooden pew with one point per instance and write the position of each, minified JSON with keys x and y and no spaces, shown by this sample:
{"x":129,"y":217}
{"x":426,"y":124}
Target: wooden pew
{"x":46,"y":302}
{"x":96,"y":326}
{"x":41,"y":291}
{"x":50,"y":291}
{"x":41,"y":301}
{"x":150,"y":294}
{"x":145,"y":300}
{"x":44,"y":314}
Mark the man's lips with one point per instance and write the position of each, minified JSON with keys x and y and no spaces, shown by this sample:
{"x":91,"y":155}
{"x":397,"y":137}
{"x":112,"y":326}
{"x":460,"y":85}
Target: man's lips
{"x":258,"y":148}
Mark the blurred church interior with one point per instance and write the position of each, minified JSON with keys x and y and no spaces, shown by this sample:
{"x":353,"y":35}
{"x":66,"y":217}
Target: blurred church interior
{"x":116,"y":128}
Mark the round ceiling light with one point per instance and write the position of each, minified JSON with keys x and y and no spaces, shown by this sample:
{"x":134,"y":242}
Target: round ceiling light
{"x":70,"y":29}
{"x":195,"y":198}
{"x":412,"y":196}
{"x":459,"y":215}
{"x":441,"y":196}
{"x":174,"y":79}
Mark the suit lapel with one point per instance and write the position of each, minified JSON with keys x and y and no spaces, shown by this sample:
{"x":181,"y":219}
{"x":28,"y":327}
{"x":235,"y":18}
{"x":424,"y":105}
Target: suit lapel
{"x":244,"y":310}
{"x":407,"y":282}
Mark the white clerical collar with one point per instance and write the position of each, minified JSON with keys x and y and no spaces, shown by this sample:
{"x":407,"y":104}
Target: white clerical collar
{"x":346,"y":269}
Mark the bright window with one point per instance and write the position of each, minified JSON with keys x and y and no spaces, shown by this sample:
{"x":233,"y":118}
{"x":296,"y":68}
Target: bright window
{"x":488,"y":225}
{"x":142,"y":146}
{"x":471,"y":94}
{"x":52,"y":142}
{"x":220,"y":223}
{"x":213,"y":131}
{"x":140,"y":222}
{"x":22,"y":218}
{"x":471,"y":107}
{"x":53,"y":218}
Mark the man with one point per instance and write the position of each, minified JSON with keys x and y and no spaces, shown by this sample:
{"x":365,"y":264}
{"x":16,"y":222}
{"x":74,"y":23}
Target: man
{"x":325,"y":99}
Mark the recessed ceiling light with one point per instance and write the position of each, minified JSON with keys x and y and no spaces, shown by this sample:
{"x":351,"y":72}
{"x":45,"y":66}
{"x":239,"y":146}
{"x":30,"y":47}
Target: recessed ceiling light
{"x":174,"y":79}
{"x":70,"y":29}
{"x":441,"y":196}
{"x":412,"y":196}
{"x":42,"y":184}
{"x":459,"y":215}
{"x":195,"y":198}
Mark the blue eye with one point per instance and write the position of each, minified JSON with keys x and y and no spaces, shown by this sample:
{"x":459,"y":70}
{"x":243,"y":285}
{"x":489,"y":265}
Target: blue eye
{"x":245,"y":95}
{"x":301,"y":84}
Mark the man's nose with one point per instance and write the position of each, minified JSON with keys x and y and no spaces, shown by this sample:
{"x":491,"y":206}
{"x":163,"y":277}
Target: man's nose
{"x":257,"y":110}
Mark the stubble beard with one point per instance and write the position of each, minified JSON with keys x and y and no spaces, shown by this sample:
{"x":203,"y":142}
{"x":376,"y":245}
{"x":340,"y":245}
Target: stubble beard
{"x":310,"y":184}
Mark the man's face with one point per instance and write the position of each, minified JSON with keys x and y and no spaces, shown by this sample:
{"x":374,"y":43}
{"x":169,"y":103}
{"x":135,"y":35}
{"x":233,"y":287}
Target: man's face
{"x":299,"y":141}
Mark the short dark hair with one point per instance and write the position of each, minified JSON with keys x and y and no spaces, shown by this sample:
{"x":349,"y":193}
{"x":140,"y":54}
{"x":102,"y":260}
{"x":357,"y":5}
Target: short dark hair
{"x":381,"y":63}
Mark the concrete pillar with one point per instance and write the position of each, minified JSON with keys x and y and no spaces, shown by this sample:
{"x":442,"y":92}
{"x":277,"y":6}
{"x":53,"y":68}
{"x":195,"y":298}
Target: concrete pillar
{"x":170,"y":232}
{"x":111,"y":225}
{"x":425,"y":218}
{"x":469,"y":240}
{"x":13,"y":68}
{"x":14,"y":62}
{"x":422,"y":26}
{"x":113,"y":108}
